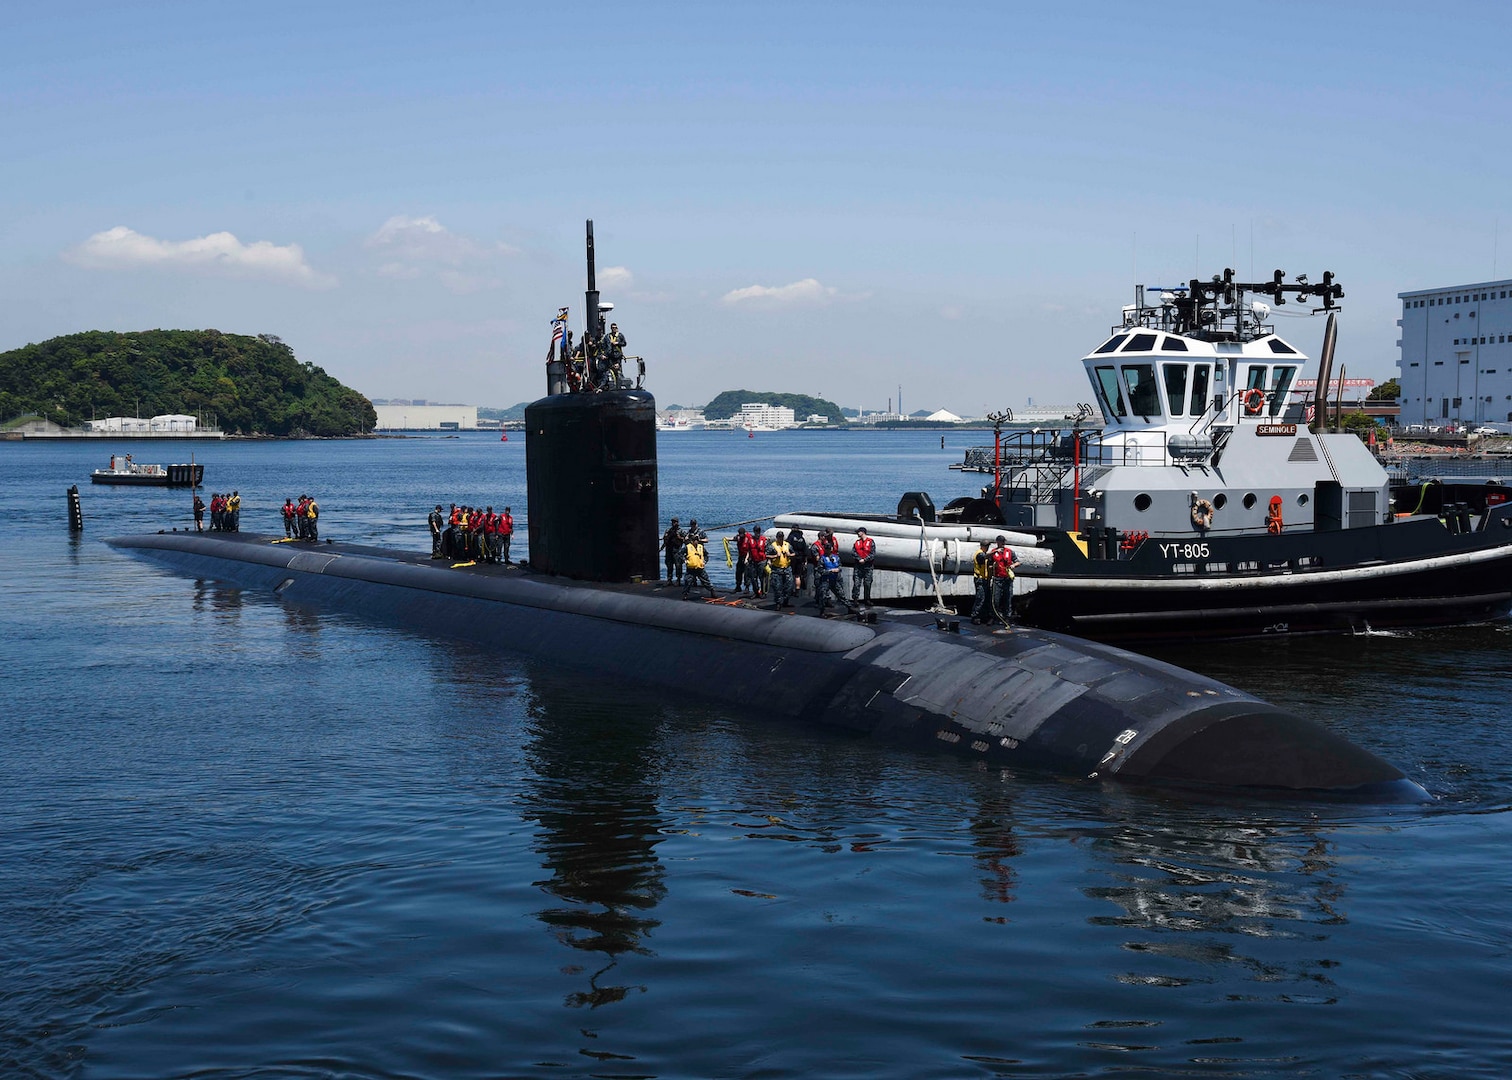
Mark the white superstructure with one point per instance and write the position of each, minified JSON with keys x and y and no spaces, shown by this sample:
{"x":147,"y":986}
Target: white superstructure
{"x":1456,"y":355}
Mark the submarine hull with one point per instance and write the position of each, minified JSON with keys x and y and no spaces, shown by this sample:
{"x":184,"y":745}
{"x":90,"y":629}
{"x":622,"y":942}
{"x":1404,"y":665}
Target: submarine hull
{"x":1029,"y":699}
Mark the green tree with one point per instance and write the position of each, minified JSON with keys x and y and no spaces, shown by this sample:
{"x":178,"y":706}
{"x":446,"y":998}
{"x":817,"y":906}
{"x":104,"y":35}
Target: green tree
{"x":250,"y":385}
{"x":728,"y":403}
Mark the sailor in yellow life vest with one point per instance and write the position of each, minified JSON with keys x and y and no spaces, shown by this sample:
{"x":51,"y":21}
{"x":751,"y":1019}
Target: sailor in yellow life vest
{"x":981,"y":577}
{"x":312,"y":512}
{"x":694,"y":558}
{"x":780,"y":559}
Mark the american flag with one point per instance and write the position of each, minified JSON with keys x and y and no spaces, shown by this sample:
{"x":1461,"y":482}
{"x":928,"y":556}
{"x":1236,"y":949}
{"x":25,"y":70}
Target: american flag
{"x":1310,"y":413}
{"x":558,"y":331}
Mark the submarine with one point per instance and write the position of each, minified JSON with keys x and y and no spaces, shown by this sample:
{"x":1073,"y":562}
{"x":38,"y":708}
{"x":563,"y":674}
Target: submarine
{"x":590,"y":597}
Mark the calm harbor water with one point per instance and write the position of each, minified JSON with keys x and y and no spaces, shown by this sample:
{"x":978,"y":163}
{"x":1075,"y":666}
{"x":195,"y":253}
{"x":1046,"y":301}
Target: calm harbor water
{"x":239,"y":839}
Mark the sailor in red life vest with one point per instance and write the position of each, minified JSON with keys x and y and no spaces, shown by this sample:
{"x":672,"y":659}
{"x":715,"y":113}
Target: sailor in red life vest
{"x":824,"y":544}
{"x":475,"y":530}
{"x":490,"y":536}
{"x":288,"y":516}
{"x":742,"y":559}
{"x":864,"y":549}
{"x":1001,"y":562}
{"x":506,"y":534}
{"x":756,"y":567}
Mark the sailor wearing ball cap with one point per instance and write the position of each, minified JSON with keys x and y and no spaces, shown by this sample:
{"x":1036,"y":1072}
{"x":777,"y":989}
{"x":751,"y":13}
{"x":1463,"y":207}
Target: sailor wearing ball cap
{"x":1002,"y":561}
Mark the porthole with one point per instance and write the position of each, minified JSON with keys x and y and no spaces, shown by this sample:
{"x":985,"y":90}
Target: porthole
{"x":1249,"y":501}
{"x":1142,"y":502}
{"x":1302,"y":499}
{"x":1220,"y":500}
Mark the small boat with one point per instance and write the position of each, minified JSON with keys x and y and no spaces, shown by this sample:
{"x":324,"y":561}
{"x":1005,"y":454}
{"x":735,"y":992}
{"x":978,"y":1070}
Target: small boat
{"x":125,"y":471}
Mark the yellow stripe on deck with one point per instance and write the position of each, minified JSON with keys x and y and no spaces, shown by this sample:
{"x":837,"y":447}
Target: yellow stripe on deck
{"x":460,"y":565}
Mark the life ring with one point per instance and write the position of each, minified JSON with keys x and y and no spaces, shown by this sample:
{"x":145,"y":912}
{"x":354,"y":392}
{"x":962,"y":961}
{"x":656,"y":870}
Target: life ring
{"x":1202,"y":514}
{"x":1254,"y":401}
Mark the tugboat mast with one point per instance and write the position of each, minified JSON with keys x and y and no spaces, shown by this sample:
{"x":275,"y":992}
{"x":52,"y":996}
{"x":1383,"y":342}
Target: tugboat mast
{"x":1215,"y":310}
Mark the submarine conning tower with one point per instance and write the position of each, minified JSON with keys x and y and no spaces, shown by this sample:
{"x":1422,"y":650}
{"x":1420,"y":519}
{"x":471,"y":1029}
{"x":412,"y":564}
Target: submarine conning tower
{"x":590,"y":469}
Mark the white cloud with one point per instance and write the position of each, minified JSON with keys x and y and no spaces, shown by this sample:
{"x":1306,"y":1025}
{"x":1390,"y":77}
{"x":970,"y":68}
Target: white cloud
{"x":615,"y":277}
{"x":807,"y":291}
{"x":121,"y":248}
{"x":414,"y":246}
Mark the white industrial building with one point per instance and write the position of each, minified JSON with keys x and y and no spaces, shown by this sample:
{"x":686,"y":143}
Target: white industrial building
{"x":167,"y":423}
{"x":1456,"y":362}
{"x":426,"y":417}
{"x":757,"y":414}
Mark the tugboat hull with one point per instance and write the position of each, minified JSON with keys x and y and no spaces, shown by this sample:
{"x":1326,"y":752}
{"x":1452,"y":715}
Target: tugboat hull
{"x":1408,"y":574}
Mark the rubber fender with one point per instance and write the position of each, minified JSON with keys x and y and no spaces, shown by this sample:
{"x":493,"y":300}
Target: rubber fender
{"x":916,"y":504}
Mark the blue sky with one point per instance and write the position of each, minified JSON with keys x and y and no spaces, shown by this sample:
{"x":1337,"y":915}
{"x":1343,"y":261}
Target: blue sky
{"x":833,"y":199}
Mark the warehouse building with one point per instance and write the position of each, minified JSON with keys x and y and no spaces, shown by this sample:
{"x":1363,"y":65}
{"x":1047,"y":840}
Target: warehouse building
{"x":1456,"y":355}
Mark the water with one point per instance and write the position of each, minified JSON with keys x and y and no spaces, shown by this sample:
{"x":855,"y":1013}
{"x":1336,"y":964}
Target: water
{"x":242,"y":840}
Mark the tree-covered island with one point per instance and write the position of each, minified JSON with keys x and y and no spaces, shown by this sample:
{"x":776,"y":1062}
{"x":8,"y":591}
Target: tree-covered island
{"x":248,"y":385}
{"x":728,"y":403}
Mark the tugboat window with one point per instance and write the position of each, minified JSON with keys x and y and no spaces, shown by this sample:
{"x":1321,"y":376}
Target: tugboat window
{"x":1175,"y":384}
{"x":1249,"y":501}
{"x":1174,"y":344}
{"x":1141,"y":343}
{"x":1107,"y":389}
{"x":1279,"y":346}
{"x":1111,"y":344}
{"x":1144,"y":399}
{"x":1302,"y":499}
{"x":1200,"y":389}
{"x":1220,"y":500}
{"x":1281,"y":380}
{"x":1142,"y":502}
{"x":1256,"y":377}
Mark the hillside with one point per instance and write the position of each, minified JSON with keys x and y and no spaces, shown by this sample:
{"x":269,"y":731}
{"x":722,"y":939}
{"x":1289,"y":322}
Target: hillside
{"x":729,"y":402}
{"x":249,"y":385}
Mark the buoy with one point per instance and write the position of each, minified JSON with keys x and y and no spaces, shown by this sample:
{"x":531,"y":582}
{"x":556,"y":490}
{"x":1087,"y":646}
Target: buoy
{"x":503,"y":436}
{"x":750,"y":434}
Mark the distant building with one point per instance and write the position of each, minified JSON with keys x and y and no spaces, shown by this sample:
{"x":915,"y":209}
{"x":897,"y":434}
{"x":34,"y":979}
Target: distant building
{"x":1456,"y":354}
{"x":137,"y":425}
{"x":426,"y":417}
{"x":756,"y":414}
{"x":943,"y":416}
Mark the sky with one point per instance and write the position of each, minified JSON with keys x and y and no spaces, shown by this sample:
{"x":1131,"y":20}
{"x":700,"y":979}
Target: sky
{"x":838,"y":199}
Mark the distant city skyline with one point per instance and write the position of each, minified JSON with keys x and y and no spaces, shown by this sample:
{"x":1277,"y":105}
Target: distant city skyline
{"x":814,"y":199}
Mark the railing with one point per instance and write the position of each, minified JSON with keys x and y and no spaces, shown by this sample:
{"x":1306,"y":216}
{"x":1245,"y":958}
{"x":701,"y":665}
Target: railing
{"x":1053,"y":450}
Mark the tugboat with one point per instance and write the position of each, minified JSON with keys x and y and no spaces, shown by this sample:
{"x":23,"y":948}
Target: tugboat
{"x":1210,"y":504}
{"x":125,"y":471}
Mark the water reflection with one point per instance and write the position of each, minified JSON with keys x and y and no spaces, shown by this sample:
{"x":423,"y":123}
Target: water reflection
{"x":596,"y":801}
{"x":1207,"y":894}
{"x":996,"y":845}
{"x":223,"y":602}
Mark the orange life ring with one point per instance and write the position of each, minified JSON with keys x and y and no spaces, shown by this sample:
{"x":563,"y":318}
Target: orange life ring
{"x":1254,"y":401}
{"x":1202,"y":514}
